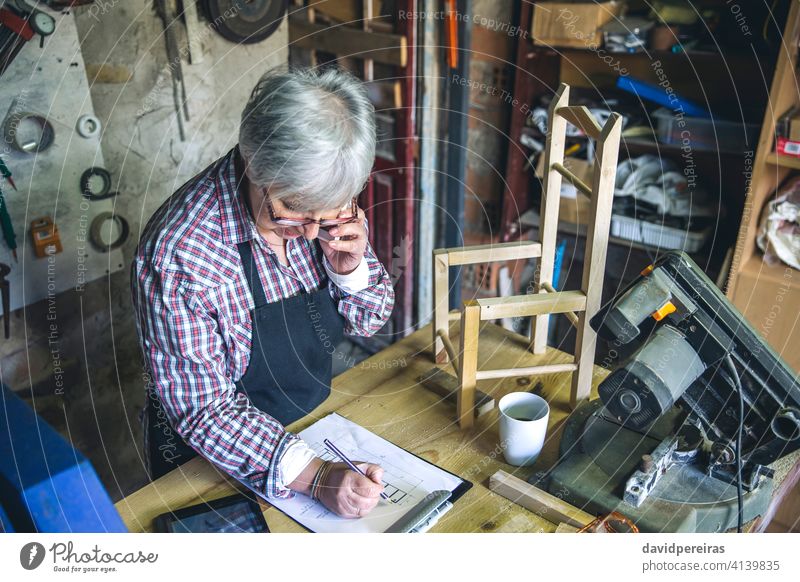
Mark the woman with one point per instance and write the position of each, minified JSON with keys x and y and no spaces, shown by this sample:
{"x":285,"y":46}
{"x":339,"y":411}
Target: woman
{"x":245,"y":279}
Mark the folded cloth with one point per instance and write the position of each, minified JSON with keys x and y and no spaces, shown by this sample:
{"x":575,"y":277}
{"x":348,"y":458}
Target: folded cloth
{"x":659,"y":183}
{"x":779,"y":232}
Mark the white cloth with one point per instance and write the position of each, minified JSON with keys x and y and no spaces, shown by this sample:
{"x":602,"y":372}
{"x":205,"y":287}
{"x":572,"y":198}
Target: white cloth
{"x":353,"y":282}
{"x":295,"y":458}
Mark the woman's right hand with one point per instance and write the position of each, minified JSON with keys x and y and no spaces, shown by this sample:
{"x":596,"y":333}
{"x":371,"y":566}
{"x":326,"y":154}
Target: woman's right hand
{"x":349,"y":494}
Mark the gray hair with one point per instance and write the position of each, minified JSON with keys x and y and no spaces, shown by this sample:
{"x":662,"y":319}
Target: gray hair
{"x":310,"y":136}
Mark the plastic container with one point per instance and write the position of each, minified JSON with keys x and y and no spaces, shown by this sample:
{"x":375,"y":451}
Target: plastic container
{"x":657,"y":235}
{"x":705,"y":134}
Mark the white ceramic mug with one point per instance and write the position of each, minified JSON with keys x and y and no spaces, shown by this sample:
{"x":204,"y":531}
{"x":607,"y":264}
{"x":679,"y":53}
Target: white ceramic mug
{"x":523,"y":426}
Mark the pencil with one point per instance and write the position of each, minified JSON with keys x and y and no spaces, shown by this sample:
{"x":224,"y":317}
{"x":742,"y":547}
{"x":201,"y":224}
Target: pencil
{"x":348,"y":462}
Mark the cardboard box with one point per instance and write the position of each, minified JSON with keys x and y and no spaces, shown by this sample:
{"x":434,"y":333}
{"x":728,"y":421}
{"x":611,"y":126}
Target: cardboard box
{"x":572,"y":24}
{"x":573,"y":206}
{"x":794,"y":127}
{"x":788,"y":124}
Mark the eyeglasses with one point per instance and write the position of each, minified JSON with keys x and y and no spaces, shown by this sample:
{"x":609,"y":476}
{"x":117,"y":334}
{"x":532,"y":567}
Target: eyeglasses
{"x":322,"y":222}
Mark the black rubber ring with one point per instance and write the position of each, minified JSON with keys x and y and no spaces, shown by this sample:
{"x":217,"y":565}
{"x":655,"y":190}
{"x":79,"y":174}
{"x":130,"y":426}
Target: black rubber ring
{"x":86,"y":185}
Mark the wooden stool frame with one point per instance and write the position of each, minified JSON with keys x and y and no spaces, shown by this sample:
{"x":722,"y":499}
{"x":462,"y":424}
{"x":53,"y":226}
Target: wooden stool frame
{"x":578,"y":306}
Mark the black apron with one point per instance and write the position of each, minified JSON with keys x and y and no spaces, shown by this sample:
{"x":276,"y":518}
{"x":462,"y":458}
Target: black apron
{"x":289,"y":373}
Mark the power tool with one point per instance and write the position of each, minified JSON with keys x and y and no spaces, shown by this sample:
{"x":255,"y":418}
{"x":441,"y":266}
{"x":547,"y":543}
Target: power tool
{"x":689,"y":427}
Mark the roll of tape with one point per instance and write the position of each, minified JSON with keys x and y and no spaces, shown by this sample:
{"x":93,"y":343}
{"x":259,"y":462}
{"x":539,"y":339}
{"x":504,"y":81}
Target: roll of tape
{"x":88,"y":126}
{"x":12,"y":132}
{"x":86,"y":184}
{"x":95,"y":231}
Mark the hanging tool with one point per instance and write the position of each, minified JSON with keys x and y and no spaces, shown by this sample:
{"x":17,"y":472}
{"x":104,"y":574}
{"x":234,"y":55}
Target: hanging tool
{"x":8,"y":228}
{"x":6,"y":292}
{"x":92,"y":191}
{"x":174,"y":58}
{"x":7,"y":174}
{"x":451,"y":32}
{"x":46,"y":239}
{"x":42,"y":23}
{"x":14,"y":33}
{"x":245,"y":22}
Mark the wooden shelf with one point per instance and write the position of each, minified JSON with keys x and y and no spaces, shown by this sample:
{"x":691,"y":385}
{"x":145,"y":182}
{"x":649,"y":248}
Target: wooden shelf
{"x":651,"y":54}
{"x":783,"y":161}
{"x":644,"y":143}
{"x":769,"y":295}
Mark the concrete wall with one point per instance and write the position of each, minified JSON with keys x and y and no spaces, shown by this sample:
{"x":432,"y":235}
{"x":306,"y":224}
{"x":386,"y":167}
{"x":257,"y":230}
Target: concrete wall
{"x":102,"y":374}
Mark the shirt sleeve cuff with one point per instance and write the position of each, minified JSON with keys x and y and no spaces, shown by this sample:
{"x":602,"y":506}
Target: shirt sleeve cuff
{"x":296,"y":457}
{"x":353,"y":282}
{"x":274,"y":487}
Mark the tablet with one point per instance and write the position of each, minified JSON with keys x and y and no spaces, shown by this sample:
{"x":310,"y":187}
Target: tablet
{"x":235,"y":514}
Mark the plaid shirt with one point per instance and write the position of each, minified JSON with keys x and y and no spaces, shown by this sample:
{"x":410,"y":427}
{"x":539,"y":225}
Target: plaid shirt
{"x":193,"y":316}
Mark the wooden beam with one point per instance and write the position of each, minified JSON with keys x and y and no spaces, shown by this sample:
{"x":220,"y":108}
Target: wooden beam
{"x":448,"y":346}
{"x":367,"y":13}
{"x":551,"y":197}
{"x":573,"y":179}
{"x":446,"y":385}
{"x":468,"y":363}
{"x":530,"y":371}
{"x":441,"y":303}
{"x":594,"y":256}
{"x":581,"y":118}
{"x":531,"y":305}
{"x":572,"y":317}
{"x":491,"y":253}
{"x":346,"y":41}
{"x":540,"y":502}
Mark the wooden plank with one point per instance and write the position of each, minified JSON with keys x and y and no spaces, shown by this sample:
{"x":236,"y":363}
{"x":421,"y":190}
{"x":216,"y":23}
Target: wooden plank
{"x":540,"y":502}
{"x":551,"y":195}
{"x":594,"y":257}
{"x":345,"y":41}
{"x":531,"y":305}
{"x":446,"y":385}
{"x":529,"y":371}
{"x":581,"y":117}
{"x":468,"y":363}
{"x":491,"y":253}
{"x":441,"y":303}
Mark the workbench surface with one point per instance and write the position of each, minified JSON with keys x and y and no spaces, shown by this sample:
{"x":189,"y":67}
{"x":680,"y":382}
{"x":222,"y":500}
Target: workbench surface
{"x":383,"y":395}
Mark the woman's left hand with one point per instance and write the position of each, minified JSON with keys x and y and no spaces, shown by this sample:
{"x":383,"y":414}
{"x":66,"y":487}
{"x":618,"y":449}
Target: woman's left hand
{"x":345,"y":253}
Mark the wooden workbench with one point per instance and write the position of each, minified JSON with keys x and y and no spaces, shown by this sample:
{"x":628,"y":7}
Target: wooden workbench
{"x":382,"y":394}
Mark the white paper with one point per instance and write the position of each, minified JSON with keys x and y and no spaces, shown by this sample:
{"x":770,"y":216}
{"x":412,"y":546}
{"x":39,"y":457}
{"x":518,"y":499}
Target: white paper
{"x":407,"y":479}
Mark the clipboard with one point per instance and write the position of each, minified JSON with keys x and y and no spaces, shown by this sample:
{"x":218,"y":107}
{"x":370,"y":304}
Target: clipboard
{"x":420,"y":492}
